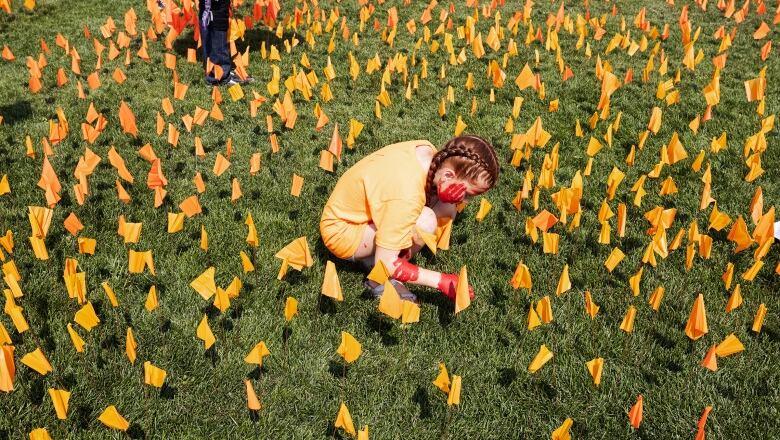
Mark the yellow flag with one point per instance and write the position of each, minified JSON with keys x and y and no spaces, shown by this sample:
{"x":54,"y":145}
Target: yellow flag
{"x":462,"y":295}
{"x":175,"y":222}
{"x":59,"y":398}
{"x":350,"y":349}
{"x":78,"y":343}
{"x":153,"y":375}
{"x":246,"y":263}
{"x":390,"y":302}
{"x":562,"y":433}
{"x":204,"y":333}
{"x":544,"y":309}
{"x":86,"y":317}
{"x":522,"y":277}
{"x":410,"y":312}
{"x":111,"y":418}
{"x":484,"y":207}
{"x":453,"y":398}
{"x":344,"y":420}
{"x":297,"y":254}
{"x":330,"y":283}
{"x":628,"y":320}
{"x":204,"y":284}
{"x":252,"y":402}
{"x":541,"y":358}
{"x":533,"y":318}
{"x":130,"y":345}
{"x":7,"y":368}
{"x":729,"y":346}
{"x":256,"y":355}
{"x":221,"y":300}
{"x":564,"y":283}
{"x":151,"y":302}
{"x":758,"y":319}
{"x":595,"y":366}
{"x":379,"y":273}
{"x":591,"y":308}
{"x":290,"y":308}
{"x":615,"y":257}
{"x":697,"y":320}
{"x":38,"y":362}
{"x":251,"y":236}
{"x":110,"y":294}
{"x":40,"y":434}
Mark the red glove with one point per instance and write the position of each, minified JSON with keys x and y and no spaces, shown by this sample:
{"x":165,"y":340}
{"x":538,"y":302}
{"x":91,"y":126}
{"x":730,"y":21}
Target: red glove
{"x":453,"y":193}
{"x":448,"y":285}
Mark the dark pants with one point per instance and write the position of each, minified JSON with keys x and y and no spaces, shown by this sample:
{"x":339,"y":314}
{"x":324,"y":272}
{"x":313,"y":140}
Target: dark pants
{"x":214,"y":38}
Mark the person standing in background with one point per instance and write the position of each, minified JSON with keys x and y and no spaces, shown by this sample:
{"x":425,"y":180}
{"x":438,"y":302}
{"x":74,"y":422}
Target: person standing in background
{"x":214,"y":22}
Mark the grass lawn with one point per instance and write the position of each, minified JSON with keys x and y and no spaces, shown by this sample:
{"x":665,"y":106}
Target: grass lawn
{"x":389,"y":388}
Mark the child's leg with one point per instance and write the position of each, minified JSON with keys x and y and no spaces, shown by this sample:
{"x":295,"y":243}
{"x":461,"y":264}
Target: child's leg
{"x":427,"y":222}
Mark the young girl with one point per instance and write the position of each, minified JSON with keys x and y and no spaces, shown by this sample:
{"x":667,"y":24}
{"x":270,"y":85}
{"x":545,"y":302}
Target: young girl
{"x":379,"y":204}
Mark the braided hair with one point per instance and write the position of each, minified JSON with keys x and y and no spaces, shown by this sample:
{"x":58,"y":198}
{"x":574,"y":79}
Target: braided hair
{"x":470,"y":156}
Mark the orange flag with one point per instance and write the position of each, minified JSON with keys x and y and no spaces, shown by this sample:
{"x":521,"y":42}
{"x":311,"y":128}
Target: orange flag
{"x":335,"y":143}
{"x":204,"y":333}
{"x":252,"y":402}
{"x":60,"y":398}
{"x":350,"y":349}
{"x":127,"y":119}
{"x":702,"y":422}
{"x":257,"y":354}
{"x":462,"y":294}
{"x":635,"y":415}
{"x":38,"y":362}
{"x":7,"y":368}
{"x":330,"y":283}
{"x":521,"y":277}
{"x":111,"y":418}
{"x":710,"y":361}
{"x":297,"y":254}
{"x":344,"y":420}
{"x":697,"y":321}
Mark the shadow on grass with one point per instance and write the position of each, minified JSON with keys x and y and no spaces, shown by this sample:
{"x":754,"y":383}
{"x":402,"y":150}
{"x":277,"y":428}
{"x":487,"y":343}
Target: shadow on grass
{"x":212,"y":355}
{"x":379,"y":324}
{"x":506,"y":376}
{"x":337,"y":369}
{"x":135,"y":431}
{"x":423,"y":400}
{"x":257,"y":373}
{"x":332,"y":432}
{"x":82,"y":416}
{"x":286,"y":333}
{"x":326,"y":305}
{"x":545,"y":389}
{"x":168,"y":392}
{"x":16,"y":112}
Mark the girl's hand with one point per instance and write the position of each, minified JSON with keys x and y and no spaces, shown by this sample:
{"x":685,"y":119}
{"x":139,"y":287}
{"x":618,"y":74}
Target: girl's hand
{"x":448,"y":286}
{"x":453,"y":193}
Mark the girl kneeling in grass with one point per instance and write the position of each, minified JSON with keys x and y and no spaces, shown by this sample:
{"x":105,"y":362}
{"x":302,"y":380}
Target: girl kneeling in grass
{"x":379,"y":204}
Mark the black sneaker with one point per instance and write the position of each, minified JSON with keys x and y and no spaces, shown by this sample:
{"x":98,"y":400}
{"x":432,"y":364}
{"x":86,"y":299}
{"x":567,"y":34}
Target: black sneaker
{"x":234,"y":79}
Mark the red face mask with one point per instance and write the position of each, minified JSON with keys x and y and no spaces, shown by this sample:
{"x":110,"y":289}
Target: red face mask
{"x":452,"y":193}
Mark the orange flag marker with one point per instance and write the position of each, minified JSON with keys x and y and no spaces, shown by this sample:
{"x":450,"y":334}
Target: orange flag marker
{"x":252,"y":402}
{"x":697,"y":320}
{"x":127,"y":120}
{"x":635,"y":415}
{"x":111,"y":418}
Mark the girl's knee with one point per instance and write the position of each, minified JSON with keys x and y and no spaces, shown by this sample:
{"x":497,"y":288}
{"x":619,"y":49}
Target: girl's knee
{"x":427,"y":220}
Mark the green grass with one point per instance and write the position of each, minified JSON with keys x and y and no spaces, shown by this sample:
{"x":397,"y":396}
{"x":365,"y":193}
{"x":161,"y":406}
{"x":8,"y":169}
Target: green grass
{"x":389,"y":388}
